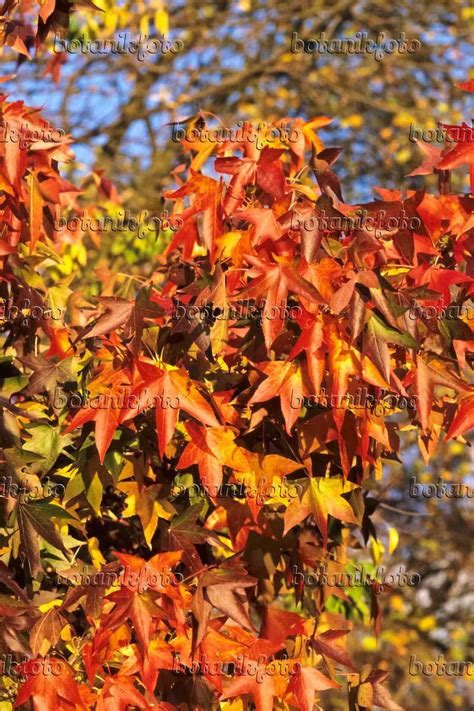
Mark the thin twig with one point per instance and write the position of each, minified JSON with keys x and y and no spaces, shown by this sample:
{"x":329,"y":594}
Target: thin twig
{"x":403,"y":511}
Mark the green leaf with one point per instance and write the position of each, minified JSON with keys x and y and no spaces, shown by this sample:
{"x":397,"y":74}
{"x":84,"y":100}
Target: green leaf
{"x":457,"y":329}
{"x":34,"y":522}
{"x":48,"y":443}
{"x":390,"y":335}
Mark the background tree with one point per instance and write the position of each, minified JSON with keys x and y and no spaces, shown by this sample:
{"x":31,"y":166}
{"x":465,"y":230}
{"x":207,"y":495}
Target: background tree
{"x":237,"y":63}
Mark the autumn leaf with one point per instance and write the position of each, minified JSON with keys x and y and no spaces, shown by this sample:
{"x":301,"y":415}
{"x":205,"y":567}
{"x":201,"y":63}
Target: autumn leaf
{"x":274,"y":282}
{"x":170,"y":390}
{"x":120,"y":693}
{"x":222,"y":588}
{"x":34,"y":523}
{"x":321,"y":497}
{"x":184,"y":533}
{"x":108,"y":411}
{"x":462,"y":153}
{"x":197,"y":451}
{"x":122,"y":312}
{"x":47,"y":374}
{"x":144,"y":502}
{"x":36,"y":211}
{"x":47,"y":629}
{"x":427,"y":375}
{"x":329,"y":644}
{"x":377,"y":349}
{"x":279,"y":624}
{"x":260,"y":686}
{"x":141,"y":609}
{"x":286,"y":381}
{"x":305,"y":684}
{"x":230,"y":406}
{"x":464,"y":419}
{"x":51,"y":692}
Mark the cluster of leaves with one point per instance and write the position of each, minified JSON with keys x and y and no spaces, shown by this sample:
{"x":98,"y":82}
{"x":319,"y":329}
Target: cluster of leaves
{"x":27,"y":24}
{"x":29,"y":27}
{"x":116,"y":106}
{"x":126,"y":473}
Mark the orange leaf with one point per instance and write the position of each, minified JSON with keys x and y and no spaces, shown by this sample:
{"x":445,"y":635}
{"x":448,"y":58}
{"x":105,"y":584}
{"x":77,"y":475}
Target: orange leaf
{"x":49,"y":691}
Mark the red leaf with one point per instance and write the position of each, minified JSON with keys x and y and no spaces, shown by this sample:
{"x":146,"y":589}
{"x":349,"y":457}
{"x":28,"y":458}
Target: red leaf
{"x":50,"y":692}
{"x":464,"y":419}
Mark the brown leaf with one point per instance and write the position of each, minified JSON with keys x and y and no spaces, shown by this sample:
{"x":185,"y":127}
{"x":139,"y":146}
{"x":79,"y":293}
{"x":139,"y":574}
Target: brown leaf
{"x":48,"y":628}
{"x":222,"y":588}
{"x":377,"y":349}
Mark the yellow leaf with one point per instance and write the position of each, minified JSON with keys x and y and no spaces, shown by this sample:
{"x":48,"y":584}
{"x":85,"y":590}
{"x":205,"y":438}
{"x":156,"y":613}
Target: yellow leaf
{"x":117,"y":639}
{"x":144,"y":25}
{"x":394,"y":271}
{"x":98,"y":559}
{"x":48,"y":605}
{"x":232,"y":705}
{"x":354,"y":121}
{"x":162,"y":21}
{"x":369,"y":644}
{"x":403,"y":156}
{"x":377,"y":550}
{"x":203,"y":154}
{"x":365,"y":695}
{"x":110,"y":21}
{"x":306,"y":190}
{"x":396,"y":603}
{"x":393,"y":539}
{"x":318,"y":122}
{"x":427,"y":623}
{"x":403,"y":119}
{"x":94,"y":493}
{"x":144,"y":503}
{"x":67,"y":633}
{"x":199,"y":250}
{"x":281,"y":492}
{"x":378,"y":470}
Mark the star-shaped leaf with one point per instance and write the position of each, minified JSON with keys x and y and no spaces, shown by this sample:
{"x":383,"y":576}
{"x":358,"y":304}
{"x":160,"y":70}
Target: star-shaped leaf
{"x":321,"y":497}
